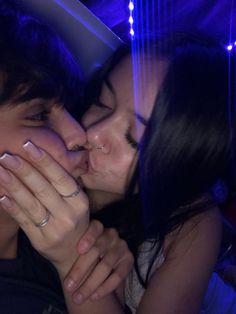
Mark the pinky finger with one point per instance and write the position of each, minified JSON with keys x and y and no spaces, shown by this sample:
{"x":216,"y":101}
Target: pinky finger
{"x":12,"y":208}
{"x":107,"y":287}
{"x":112,"y":282}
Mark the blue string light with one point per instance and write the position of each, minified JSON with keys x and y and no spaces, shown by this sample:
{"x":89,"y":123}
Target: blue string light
{"x":231,"y":46}
{"x":131,"y":19}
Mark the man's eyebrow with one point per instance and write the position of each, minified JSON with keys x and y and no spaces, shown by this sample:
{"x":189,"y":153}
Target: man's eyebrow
{"x":38,"y":102}
{"x":141,"y":119}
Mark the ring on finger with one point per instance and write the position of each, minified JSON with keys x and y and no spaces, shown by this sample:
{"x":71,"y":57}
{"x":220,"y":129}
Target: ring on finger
{"x":44,"y":221}
{"x":73,"y":194}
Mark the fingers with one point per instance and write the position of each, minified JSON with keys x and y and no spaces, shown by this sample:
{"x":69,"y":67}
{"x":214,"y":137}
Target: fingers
{"x":120,"y":270}
{"x":44,"y":184}
{"x":21,"y":195}
{"x":61,"y":180}
{"x":86,"y":262}
{"x":107,"y":276}
{"x":86,"y":242}
{"x":57,"y":176}
{"x":53,"y":222}
{"x":113,"y":262}
{"x":16,"y":213}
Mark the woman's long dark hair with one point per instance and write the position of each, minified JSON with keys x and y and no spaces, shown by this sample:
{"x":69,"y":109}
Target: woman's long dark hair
{"x":187,"y":145}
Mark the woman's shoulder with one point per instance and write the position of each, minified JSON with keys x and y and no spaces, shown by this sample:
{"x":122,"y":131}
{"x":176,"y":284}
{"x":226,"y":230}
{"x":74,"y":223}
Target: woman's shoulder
{"x":205,"y":227}
{"x":189,"y":256}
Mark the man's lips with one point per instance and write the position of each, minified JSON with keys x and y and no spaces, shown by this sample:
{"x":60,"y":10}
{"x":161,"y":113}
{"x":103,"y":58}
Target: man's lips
{"x":91,"y":168}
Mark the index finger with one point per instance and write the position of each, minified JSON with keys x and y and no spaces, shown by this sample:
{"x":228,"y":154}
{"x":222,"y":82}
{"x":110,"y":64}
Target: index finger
{"x":55,"y":173}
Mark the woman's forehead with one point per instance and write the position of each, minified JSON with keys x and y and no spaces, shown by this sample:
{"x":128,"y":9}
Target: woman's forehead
{"x":137,"y":81}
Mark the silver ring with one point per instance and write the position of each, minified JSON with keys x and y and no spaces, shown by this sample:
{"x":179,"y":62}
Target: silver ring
{"x":75,"y":193}
{"x":44,"y":221}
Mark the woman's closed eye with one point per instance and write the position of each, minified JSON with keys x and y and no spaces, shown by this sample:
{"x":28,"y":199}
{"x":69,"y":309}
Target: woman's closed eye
{"x":131,"y":141}
{"x":100,"y":104}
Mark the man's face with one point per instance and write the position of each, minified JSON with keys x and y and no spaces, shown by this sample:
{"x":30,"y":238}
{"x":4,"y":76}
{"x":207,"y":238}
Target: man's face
{"x":48,"y":125}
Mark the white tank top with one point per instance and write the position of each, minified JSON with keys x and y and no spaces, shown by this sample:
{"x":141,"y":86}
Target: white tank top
{"x":220,"y":297}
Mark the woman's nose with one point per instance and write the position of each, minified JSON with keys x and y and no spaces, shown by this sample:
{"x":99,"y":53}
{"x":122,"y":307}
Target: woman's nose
{"x":98,"y":138}
{"x":72,"y":133}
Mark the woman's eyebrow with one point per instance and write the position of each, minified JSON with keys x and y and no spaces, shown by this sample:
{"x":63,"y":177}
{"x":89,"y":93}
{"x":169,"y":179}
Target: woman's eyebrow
{"x":109,"y":86}
{"x":141,"y":119}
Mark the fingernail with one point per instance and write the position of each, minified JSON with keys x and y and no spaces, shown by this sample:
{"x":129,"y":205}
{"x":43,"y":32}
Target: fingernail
{"x":78,"y":298}
{"x":10,"y":161}
{"x":5,"y":202}
{"x":5,"y":176}
{"x":33,"y":150}
{"x":69,"y":284}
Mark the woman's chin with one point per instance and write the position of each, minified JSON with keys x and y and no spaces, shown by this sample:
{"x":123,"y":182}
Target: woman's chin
{"x":98,"y":198}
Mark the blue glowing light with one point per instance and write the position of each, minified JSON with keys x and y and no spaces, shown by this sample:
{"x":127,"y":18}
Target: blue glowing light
{"x":131,"y":5}
{"x":131,"y":19}
{"x":131,"y":32}
{"x":229,"y":47}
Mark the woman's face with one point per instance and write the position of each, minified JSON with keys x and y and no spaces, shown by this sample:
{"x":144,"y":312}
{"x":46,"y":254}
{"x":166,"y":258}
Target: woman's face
{"x":47,"y":125}
{"x":116,"y":124}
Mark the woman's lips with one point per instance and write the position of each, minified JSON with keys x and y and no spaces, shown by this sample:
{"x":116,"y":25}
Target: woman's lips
{"x":82,"y":163}
{"x":91,"y":168}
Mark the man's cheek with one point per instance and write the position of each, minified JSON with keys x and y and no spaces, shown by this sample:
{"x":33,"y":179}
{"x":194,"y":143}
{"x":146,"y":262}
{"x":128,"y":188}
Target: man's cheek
{"x":3,"y":191}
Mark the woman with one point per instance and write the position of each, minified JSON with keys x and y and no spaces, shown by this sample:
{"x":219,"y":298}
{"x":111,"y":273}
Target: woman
{"x":176,"y":123}
{"x":185,"y":96}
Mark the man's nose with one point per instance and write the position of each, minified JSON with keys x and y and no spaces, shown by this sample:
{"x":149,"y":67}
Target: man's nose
{"x":72,"y":133}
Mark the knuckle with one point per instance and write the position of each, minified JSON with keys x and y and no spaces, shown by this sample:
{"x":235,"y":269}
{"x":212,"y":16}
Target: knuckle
{"x":25,"y":223}
{"x":96,"y":251}
{"x":98,"y":226}
{"x":45,"y":161}
{"x":42,"y":193}
{"x":123,"y":245}
{"x":75,"y":274}
{"x":69,"y":224}
{"x":15,"y":186}
{"x":118,"y":277}
{"x":24,"y":170}
{"x":107,"y":265}
{"x":87,"y":289}
{"x":112,"y":233}
{"x":35,"y":207}
{"x":62,"y":179}
{"x":80,"y":203}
